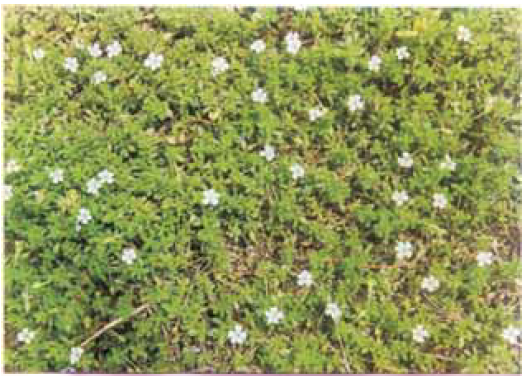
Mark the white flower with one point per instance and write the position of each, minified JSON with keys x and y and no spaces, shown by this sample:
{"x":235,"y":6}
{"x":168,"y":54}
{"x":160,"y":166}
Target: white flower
{"x":258,"y":46}
{"x":268,"y":153}
{"x":8,"y":192}
{"x":400,"y":197}
{"x":25,"y":335}
{"x":355,"y":103}
{"x":405,"y":160}
{"x":439,"y":201}
{"x":12,"y":166}
{"x":71,"y":64}
{"x":95,"y":50}
{"x":274,"y":315}
{"x":99,"y":77}
{"x":484,"y":258}
{"x":305,"y":279}
{"x":106,"y":176}
{"x":297,"y":171}
{"x":374,"y":63}
{"x":463,"y":34}
{"x":129,"y":255}
{"x":420,"y":334}
{"x":211,"y":197}
{"x":404,"y":250}
{"x":38,"y":54}
{"x":430,"y":284}
{"x":76,"y":353}
{"x":237,"y":335}
{"x":448,"y":164}
{"x":113,"y":49}
{"x":293,"y":42}
{"x":219,"y":65}
{"x":154,"y":61}
{"x":316,"y":113}
{"x":93,"y":185}
{"x":57,"y":176}
{"x":402,"y":53}
{"x":259,"y":95}
{"x":334,"y":311}
{"x":84,"y":216}
{"x":511,"y":334}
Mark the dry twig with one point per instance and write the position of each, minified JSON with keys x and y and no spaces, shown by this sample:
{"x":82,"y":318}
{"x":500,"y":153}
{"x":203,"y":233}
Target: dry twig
{"x":113,"y":324}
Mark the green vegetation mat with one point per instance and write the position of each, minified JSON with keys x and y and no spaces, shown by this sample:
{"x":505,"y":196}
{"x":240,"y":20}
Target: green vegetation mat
{"x":272,"y":190}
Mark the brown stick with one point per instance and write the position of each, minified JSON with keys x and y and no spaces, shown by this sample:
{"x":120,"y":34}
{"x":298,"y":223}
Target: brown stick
{"x":113,"y":323}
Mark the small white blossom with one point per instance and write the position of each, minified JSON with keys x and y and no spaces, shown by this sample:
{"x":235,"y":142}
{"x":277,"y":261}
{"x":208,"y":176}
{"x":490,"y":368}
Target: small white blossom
{"x":293,"y":42}
{"x":316,"y":113}
{"x":154,"y":61}
{"x":99,"y":77}
{"x":400,"y":197}
{"x":334,"y":311}
{"x":106,"y":176}
{"x":94,"y":50}
{"x":448,"y":164}
{"x":211,"y":197}
{"x":12,"y":166}
{"x":57,"y":176}
{"x":259,"y":95}
{"x":218,"y":66}
{"x":8,"y":192}
{"x":374,"y":63}
{"x":113,"y":49}
{"x":439,"y":201}
{"x":268,"y":153}
{"x":404,"y":250}
{"x":355,"y":103}
{"x":420,"y":334}
{"x":258,"y":46}
{"x":430,"y":284}
{"x":71,"y":64}
{"x":511,"y":334}
{"x":25,"y":336}
{"x":297,"y":171}
{"x":484,"y":258}
{"x":402,"y":53}
{"x":405,"y":160}
{"x":463,"y":34}
{"x":38,"y":54}
{"x":76,"y":353}
{"x":93,"y":185}
{"x":84,"y":216}
{"x":237,"y":336}
{"x":128,"y":255}
{"x":305,"y":279}
{"x":274,"y":315}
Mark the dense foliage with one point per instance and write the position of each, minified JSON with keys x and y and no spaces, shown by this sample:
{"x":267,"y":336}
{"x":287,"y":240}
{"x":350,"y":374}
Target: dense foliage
{"x":142,"y":195}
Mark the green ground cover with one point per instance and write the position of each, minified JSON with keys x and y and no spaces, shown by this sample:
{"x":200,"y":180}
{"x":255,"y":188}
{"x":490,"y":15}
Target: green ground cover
{"x":325,"y":190}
